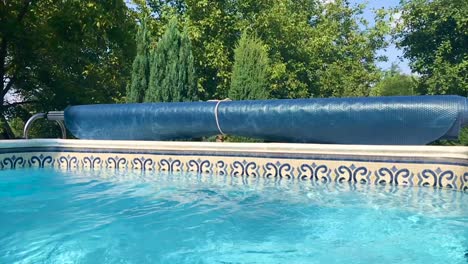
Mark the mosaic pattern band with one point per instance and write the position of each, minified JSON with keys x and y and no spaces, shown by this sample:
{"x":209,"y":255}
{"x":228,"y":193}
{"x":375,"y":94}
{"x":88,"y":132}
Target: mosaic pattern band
{"x":440,"y":175}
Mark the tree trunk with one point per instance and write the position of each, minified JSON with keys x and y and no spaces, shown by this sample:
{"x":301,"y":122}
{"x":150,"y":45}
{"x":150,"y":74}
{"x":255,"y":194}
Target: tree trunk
{"x":7,"y":132}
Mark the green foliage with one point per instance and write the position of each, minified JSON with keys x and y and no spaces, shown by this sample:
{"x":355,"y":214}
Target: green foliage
{"x":141,"y":66}
{"x":284,"y":27}
{"x":213,"y":30}
{"x":230,"y":138}
{"x":6,"y":132}
{"x":172,"y":76}
{"x":59,"y":53}
{"x":463,"y":139}
{"x":434,"y":35}
{"x":314,"y":49}
{"x":250,"y":72}
{"x":42,"y":129}
{"x":394,"y":83}
{"x":187,"y":85}
{"x":54,"y":54}
{"x":346,"y":55}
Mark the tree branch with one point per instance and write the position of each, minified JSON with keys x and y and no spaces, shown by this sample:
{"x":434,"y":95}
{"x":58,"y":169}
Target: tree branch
{"x":7,"y":87}
{"x":8,"y":105}
{"x":7,"y":131}
{"x":3,"y":53}
{"x":3,"y":45}
{"x":24,"y":9}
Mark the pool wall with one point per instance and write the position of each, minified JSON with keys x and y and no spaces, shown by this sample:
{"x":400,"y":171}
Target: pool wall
{"x":436,"y":166}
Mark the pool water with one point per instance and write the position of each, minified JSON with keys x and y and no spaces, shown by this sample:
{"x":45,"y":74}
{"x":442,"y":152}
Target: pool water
{"x":107,"y":216}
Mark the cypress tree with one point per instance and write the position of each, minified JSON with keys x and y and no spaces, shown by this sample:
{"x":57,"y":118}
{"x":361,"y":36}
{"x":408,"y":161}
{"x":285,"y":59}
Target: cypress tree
{"x":141,"y":66}
{"x":172,"y":72}
{"x":187,"y":86}
{"x":250,"y":71}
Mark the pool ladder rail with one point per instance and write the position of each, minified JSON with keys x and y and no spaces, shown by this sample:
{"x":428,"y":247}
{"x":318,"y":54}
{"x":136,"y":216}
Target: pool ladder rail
{"x":56,"y":116}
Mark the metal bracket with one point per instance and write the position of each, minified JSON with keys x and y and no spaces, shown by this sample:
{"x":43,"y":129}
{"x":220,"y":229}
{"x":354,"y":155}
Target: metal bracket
{"x":56,"y":116}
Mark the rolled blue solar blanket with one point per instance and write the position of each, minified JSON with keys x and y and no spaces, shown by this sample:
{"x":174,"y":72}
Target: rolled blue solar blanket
{"x":399,"y":120}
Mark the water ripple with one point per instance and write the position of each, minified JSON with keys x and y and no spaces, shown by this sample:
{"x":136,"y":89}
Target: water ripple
{"x":49,"y":216}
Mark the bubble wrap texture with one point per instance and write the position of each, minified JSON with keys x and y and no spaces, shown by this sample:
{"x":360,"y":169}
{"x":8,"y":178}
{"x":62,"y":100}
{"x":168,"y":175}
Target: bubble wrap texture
{"x":399,"y":120}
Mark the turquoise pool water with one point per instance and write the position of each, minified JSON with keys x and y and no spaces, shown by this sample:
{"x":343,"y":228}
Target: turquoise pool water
{"x":49,"y":216}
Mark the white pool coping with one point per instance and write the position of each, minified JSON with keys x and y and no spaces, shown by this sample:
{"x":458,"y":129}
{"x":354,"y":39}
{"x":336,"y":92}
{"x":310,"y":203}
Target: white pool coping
{"x":442,"y":152}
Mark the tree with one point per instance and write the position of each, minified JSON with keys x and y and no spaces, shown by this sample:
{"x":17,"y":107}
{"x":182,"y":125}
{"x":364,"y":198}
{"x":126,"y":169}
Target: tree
{"x":286,"y":29}
{"x":141,"y":66}
{"x":315,"y":49}
{"x":434,"y":37}
{"x":187,"y":86}
{"x":54,"y":54}
{"x":250,"y":72}
{"x":213,"y":30}
{"x":394,"y":83}
{"x":172,"y":76}
{"x":348,"y":51}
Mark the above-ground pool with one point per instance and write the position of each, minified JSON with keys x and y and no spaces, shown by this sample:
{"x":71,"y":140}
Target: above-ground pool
{"x":64,"y":201}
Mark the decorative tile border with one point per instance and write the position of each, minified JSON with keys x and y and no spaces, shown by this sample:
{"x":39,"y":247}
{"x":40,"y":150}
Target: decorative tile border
{"x":447,"y":169}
